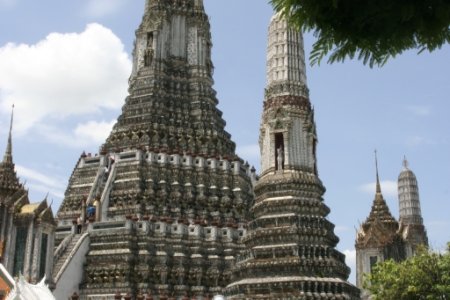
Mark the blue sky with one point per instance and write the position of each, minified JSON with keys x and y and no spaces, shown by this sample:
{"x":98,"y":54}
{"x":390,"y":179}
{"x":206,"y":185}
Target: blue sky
{"x":65,"y":65}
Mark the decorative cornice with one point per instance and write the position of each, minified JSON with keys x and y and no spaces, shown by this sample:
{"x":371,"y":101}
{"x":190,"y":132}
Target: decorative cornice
{"x":287,"y":100}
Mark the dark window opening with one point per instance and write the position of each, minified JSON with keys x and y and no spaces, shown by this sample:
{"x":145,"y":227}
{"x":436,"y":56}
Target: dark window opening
{"x":279,"y":151}
{"x":19,"y":257}
{"x":373,"y":262}
{"x":150,"y":39}
{"x":43,"y":260}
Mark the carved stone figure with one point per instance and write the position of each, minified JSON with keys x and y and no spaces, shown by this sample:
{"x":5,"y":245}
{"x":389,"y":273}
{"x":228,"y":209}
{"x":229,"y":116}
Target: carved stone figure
{"x":280,"y":158}
{"x":148,"y":56}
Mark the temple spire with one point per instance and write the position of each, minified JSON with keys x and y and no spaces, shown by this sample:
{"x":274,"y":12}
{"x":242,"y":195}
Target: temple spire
{"x":288,"y":190}
{"x":286,"y":68}
{"x":378,"y":191}
{"x":405,"y":163}
{"x":7,"y":158}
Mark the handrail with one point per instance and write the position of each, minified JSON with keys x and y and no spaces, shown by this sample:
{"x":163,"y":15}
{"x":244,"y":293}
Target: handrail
{"x":71,"y":255}
{"x":95,"y":185}
{"x":62,"y":246}
{"x":104,"y":200}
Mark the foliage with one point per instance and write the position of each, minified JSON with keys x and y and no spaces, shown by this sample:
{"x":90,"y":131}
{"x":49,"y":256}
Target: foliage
{"x":424,"y":276}
{"x":371,"y":30}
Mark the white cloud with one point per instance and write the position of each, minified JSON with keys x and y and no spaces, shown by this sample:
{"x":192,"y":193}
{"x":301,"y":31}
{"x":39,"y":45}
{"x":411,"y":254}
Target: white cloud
{"x":36,"y":176}
{"x":64,"y":75}
{"x":419,"y":110}
{"x":388,"y":188}
{"x":101,"y":8}
{"x":41,"y":182}
{"x":85,"y":135}
{"x":94,"y":132}
{"x":350,"y":260}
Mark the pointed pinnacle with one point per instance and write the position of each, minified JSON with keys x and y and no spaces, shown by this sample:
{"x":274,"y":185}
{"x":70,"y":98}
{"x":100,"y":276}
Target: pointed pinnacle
{"x":7,"y":158}
{"x":378,"y":190}
{"x":405,"y":162}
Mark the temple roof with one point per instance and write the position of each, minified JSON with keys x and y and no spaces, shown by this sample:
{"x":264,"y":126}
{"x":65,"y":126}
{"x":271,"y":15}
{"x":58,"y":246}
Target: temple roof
{"x":8,"y":178}
{"x":7,"y":158}
{"x":41,"y":210}
{"x":380,"y":226}
{"x":29,"y":208}
{"x":380,"y":211}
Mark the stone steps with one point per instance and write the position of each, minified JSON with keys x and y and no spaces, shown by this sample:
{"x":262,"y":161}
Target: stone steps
{"x":62,"y":259}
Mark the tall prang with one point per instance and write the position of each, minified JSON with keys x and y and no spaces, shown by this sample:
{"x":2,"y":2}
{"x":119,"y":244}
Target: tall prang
{"x":290,"y":244}
{"x":411,"y":222}
{"x":162,"y":208}
{"x":172,"y":105}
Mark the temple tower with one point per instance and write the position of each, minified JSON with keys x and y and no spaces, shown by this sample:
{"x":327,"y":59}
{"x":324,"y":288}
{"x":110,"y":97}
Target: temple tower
{"x":290,"y":244}
{"x":9,"y":185}
{"x":411,"y":222}
{"x":172,"y":104}
{"x":381,"y":237}
{"x":26,"y":229}
{"x":165,"y":202}
{"x":378,"y":238}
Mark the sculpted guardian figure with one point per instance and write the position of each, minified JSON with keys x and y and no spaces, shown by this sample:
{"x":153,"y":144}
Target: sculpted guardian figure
{"x":280,"y":155}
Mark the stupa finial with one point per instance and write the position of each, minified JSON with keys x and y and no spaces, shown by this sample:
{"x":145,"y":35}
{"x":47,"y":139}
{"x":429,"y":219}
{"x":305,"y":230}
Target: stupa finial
{"x":7,"y":158}
{"x":378,"y":177}
{"x":405,"y":163}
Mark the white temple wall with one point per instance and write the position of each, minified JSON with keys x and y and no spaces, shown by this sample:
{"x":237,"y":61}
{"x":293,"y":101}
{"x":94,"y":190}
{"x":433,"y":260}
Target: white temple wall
{"x":363,"y":263}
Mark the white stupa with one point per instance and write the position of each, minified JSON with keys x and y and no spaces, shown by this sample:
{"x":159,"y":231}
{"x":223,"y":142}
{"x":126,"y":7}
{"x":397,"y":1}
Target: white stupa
{"x":26,"y":291}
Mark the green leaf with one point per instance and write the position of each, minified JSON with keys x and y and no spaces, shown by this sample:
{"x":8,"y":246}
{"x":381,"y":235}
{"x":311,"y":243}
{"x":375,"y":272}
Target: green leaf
{"x":374,"y":31}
